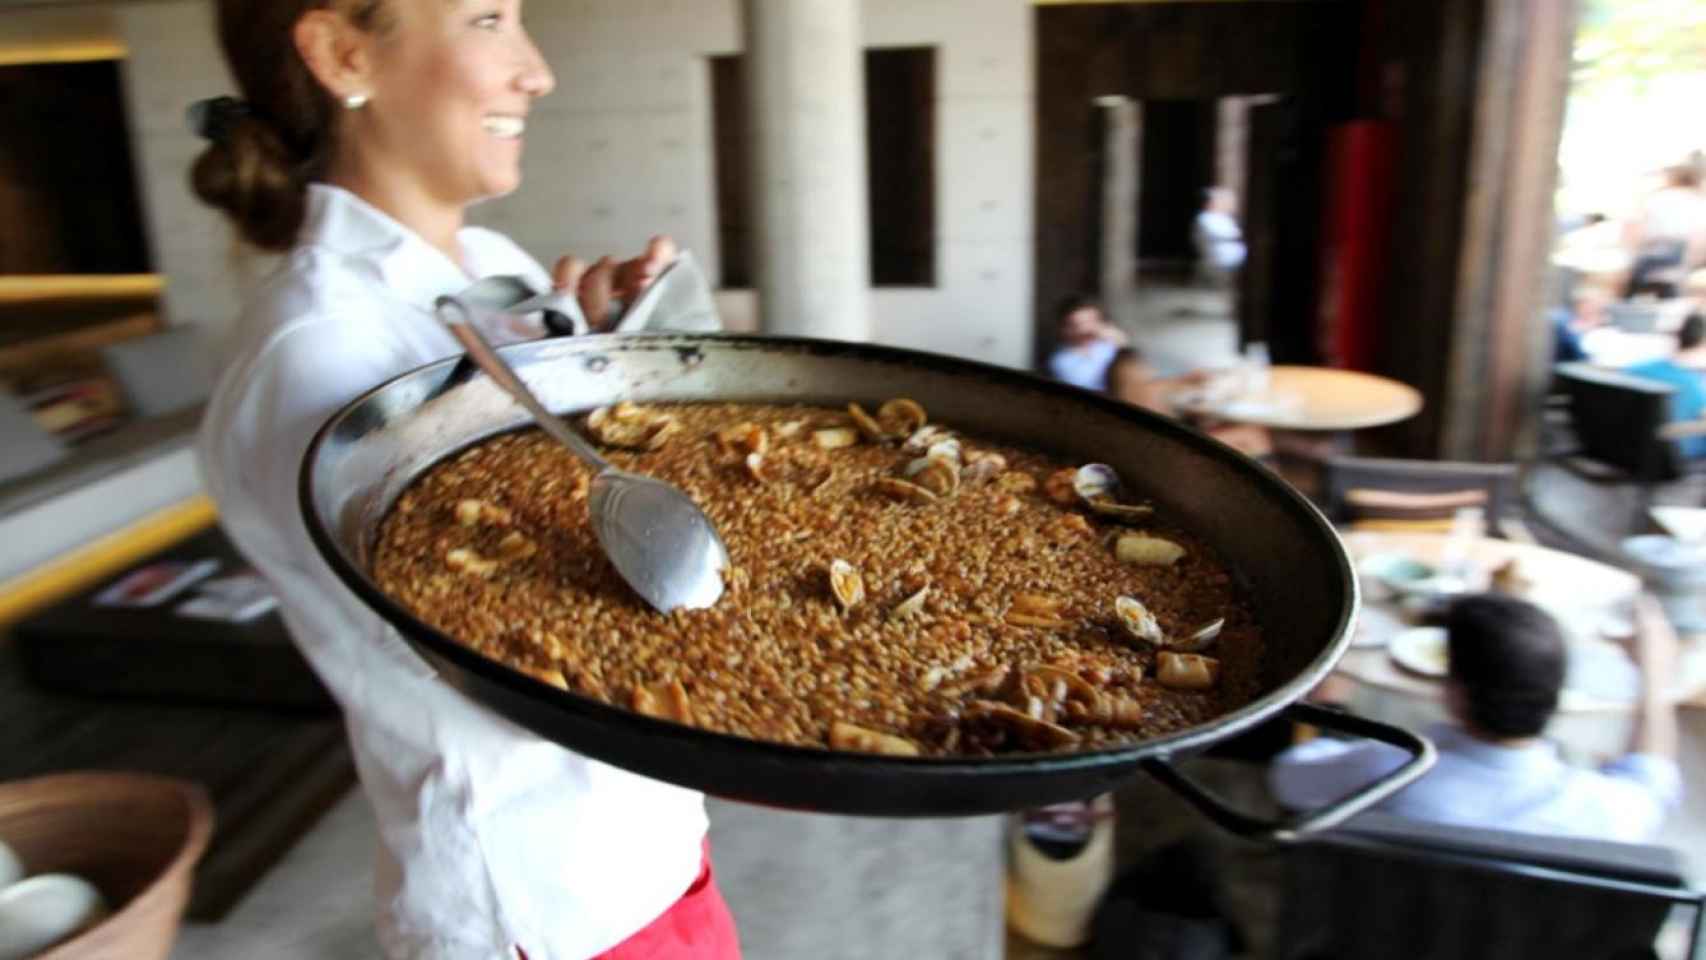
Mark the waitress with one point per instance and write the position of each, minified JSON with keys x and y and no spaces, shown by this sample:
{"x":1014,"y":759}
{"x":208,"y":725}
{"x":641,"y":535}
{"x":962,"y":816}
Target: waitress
{"x":365,"y":130}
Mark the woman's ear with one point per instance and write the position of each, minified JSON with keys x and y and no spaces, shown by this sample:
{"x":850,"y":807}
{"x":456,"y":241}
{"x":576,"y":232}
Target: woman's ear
{"x":336,"y":52}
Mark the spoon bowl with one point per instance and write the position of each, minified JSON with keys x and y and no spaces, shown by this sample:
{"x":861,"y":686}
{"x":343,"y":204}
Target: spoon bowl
{"x":655,"y":536}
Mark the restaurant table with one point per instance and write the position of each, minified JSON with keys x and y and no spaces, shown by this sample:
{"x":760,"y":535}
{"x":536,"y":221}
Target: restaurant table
{"x":1584,"y":595}
{"x":1318,"y":399}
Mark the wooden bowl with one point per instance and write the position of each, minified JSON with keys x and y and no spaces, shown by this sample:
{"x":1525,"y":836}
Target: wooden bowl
{"x":137,"y":838}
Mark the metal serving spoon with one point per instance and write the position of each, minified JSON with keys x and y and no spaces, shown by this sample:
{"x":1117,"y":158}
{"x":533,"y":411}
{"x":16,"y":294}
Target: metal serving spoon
{"x":656,"y":538}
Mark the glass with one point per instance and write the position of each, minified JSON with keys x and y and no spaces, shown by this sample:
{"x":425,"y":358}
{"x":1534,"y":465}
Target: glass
{"x":1255,"y":369}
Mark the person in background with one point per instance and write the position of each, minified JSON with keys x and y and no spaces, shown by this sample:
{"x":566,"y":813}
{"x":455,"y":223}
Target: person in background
{"x":1507,"y":664}
{"x":1218,"y":238}
{"x":365,"y":130}
{"x":1667,"y":233}
{"x":1686,"y":371}
{"x":1131,"y":378}
{"x":1586,"y":312}
{"x":1087,"y":343}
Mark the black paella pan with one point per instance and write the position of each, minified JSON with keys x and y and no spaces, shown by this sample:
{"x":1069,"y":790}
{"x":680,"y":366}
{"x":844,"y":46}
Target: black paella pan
{"x":1298,"y":574}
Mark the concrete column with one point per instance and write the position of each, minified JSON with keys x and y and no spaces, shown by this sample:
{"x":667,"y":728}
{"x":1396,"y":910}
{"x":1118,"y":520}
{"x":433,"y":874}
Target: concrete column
{"x":806,"y":69}
{"x":1122,"y":128}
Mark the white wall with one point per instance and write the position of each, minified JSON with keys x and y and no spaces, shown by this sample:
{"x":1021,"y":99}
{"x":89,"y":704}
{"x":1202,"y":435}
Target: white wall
{"x":622,"y":150}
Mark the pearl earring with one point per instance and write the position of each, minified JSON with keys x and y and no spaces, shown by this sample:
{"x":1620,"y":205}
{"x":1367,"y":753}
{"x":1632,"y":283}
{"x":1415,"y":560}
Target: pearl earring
{"x":355,"y":101}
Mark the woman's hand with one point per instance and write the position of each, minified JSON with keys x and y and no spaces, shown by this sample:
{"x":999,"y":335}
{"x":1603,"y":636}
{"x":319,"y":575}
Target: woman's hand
{"x":607,"y":281}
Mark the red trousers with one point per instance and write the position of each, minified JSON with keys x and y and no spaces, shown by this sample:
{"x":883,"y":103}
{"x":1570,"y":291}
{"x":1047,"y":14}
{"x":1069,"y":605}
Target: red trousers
{"x":696,"y":927}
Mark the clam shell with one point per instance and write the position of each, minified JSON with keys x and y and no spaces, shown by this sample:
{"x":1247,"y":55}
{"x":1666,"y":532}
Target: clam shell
{"x":1138,"y":621}
{"x":902,"y":416}
{"x":1096,"y":481}
{"x":869,"y":427}
{"x":846,"y":584}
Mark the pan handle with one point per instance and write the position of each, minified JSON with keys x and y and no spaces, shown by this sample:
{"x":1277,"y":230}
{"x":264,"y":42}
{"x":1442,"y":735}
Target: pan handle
{"x":1420,"y":749}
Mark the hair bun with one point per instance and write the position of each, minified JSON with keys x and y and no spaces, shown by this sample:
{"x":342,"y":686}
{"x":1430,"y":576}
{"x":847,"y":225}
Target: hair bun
{"x":247,"y":172}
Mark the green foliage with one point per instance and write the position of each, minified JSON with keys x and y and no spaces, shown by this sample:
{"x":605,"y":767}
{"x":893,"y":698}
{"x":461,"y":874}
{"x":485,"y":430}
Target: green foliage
{"x":1631,"y":42}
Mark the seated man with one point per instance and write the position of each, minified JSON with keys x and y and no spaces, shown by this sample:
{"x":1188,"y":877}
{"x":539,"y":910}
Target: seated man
{"x":1087,"y":343}
{"x":1132,"y":379}
{"x":1494,"y":770}
{"x":1686,"y":371}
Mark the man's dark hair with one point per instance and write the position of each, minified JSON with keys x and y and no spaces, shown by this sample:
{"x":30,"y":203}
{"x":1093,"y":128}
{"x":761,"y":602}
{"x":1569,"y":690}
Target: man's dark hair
{"x":1074,"y":303}
{"x":1508,"y":655}
{"x":1692,"y":331}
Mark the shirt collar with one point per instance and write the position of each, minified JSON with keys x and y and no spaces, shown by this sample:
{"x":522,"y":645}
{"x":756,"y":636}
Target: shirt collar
{"x":1454,"y":739}
{"x":415,"y":270}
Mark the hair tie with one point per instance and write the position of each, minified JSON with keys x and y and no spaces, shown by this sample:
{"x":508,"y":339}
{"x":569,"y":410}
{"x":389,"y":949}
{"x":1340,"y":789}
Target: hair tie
{"x":213,"y":118}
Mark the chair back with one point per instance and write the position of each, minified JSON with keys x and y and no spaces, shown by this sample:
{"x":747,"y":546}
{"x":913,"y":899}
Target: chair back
{"x":1399,"y":889}
{"x":1418,"y":493}
{"x":1616,"y":419}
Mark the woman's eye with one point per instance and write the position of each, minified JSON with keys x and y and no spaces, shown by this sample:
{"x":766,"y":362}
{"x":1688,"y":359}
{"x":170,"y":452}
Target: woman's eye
{"x":488,"y":21}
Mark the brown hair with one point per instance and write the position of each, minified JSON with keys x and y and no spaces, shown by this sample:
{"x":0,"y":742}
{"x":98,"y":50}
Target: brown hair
{"x":259,"y":169}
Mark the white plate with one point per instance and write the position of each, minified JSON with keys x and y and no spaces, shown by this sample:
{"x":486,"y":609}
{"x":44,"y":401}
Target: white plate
{"x":1420,"y":650}
{"x":11,"y":870}
{"x":39,"y":912}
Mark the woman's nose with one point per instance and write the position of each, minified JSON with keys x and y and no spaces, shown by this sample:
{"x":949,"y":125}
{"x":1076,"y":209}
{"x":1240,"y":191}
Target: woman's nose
{"x":535,"y":78}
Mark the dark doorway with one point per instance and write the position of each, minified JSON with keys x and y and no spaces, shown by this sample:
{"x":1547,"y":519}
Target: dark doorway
{"x":1177,"y":161}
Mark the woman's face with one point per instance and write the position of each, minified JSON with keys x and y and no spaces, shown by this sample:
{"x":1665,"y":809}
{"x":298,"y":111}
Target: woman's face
{"x":453,"y":81}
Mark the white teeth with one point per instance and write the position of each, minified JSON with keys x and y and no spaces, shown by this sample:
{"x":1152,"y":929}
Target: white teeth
{"x":507,"y":127}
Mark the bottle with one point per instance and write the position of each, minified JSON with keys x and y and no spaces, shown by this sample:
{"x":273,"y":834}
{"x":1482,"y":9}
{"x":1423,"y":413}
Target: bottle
{"x":1457,"y":560}
{"x":1256,"y":368}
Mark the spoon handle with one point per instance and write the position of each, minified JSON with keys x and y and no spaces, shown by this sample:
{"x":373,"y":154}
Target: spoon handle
{"x":454,"y":314}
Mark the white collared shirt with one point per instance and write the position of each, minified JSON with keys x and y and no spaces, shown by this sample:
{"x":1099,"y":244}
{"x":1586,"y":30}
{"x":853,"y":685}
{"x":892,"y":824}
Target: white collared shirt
{"x":1478,"y":784}
{"x":490,"y":837}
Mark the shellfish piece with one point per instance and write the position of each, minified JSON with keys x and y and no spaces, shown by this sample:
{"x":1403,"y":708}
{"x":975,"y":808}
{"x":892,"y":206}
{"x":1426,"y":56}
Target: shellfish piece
{"x":904,"y":490}
{"x":846,"y":584}
{"x":1118,"y":712}
{"x":468,"y":512}
{"x":1096,"y":481}
{"x":982,"y":467}
{"x":1138,"y":621}
{"x":1186,"y":671}
{"x":1059,"y":486}
{"x":1122,"y":512}
{"x":1073,"y":687}
{"x":911,"y":606}
{"x":834,"y":438}
{"x":1146,"y":550}
{"x":660,"y":432}
{"x":755,"y":467}
{"x":790,"y":429}
{"x":468,"y":561}
{"x":743,"y":438}
{"x":924,"y":438}
{"x":1098,"y":486}
{"x":1036,"y":603}
{"x":847,"y":736}
{"x":948,"y":450}
{"x":1016,"y":481}
{"x":1033,"y":731}
{"x":901,"y":416}
{"x":666,"y":700}
{"x":940,"y":477}
{"x":867,"y":425}
{"x":516,"y":546}
{"x":1199,"y":637}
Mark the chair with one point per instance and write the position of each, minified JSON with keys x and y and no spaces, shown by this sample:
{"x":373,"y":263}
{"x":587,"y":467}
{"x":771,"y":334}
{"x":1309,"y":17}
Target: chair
{"x":1419,"y":495}
{"x":1395,"y":889}
{"x":1623,"y":430}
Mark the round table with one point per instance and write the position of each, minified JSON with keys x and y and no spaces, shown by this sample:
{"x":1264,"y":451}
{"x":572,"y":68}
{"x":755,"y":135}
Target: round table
{"x":1308,"y":398}
{"x":1582,"y":594}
